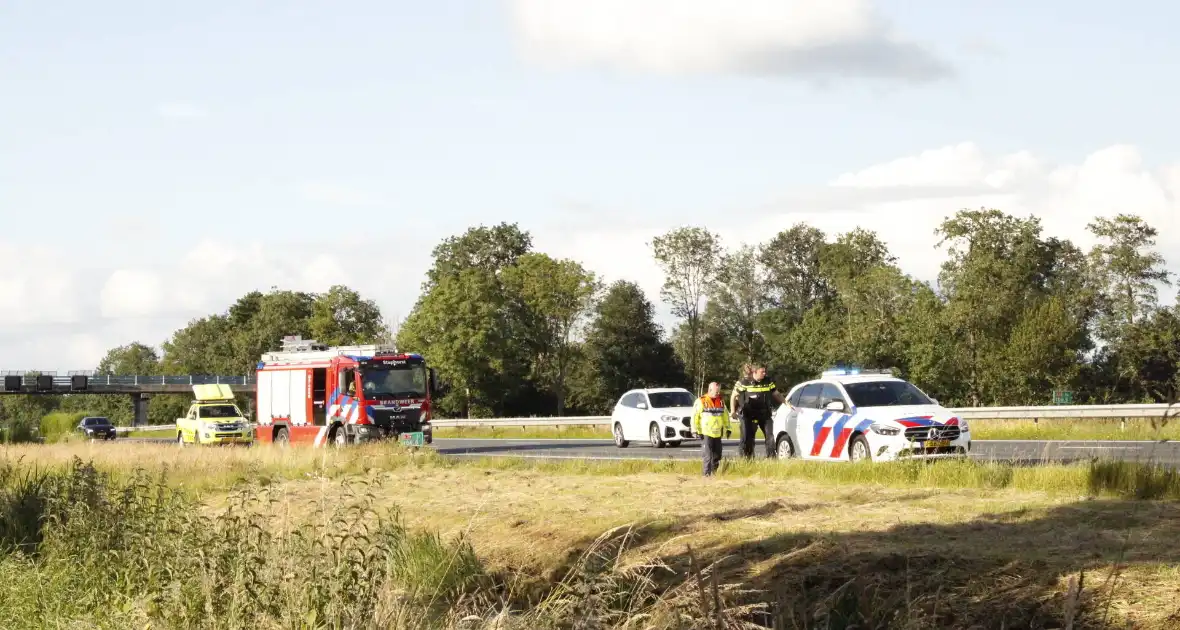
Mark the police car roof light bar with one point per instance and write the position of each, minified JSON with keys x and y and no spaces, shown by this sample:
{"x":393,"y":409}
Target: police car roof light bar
{"x":854,"y":371}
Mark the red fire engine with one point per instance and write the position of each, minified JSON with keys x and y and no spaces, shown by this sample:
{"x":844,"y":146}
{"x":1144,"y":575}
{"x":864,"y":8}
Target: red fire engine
{"x":309,"y":393}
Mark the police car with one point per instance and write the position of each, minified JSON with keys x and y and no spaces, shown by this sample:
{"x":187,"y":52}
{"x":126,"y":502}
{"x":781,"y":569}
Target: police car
{"x":850,"y":414}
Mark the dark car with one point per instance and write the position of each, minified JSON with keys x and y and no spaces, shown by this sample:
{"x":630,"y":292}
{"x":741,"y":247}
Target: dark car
{"x":97,"y":428}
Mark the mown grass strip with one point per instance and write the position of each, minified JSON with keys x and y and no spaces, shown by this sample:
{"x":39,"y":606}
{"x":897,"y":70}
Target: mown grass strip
{"x":219,"y":469}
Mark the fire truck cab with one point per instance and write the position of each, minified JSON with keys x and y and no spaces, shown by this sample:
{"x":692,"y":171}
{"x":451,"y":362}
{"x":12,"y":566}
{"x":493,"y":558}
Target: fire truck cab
{"x":309,"y":393}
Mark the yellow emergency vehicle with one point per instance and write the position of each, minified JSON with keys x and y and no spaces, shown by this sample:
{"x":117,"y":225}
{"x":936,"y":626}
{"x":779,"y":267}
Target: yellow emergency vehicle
{"x":213,"y":418}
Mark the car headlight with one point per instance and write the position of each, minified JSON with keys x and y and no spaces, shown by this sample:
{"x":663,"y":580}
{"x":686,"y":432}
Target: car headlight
{"x":669,"y":418}
{"x":884,"y":429}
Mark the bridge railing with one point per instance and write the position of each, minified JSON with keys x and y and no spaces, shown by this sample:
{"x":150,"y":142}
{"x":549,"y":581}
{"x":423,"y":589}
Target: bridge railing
{"x":1050,"y":412}
{"x":105,"y":380}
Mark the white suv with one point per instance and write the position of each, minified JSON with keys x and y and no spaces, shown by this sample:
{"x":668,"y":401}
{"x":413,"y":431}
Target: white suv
{"x":663,"y":416}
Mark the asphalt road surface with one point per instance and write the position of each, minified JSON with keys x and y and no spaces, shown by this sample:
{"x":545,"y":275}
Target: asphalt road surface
{"x":1019,"y":451}
{"x":1016,"y":451}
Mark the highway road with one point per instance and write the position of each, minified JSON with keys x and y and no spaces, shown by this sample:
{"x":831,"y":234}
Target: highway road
{"x":1002,"y":450}
{"x":1018,"y":451}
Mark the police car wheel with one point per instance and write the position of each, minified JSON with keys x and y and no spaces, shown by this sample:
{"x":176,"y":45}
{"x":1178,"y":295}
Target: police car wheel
{"x":654,"y":436}
{"x":784,"y":449}
{"x":617,"y":430}
{"x":859,"y":449}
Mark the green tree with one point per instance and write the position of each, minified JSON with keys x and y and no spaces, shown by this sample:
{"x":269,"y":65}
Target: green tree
{"x":557,"y":295}
{"x":794,"y":280}
{"x":465,"y":326}
{"x":342,"y":317}
{"x":1128,"y":271}
{"x":204,"y":346}
{"x":490,"y":249}
{"x":689,"y":259}
{"x":624,"y":349}
{"x":998,"y":267}
{"x":133,"y":358}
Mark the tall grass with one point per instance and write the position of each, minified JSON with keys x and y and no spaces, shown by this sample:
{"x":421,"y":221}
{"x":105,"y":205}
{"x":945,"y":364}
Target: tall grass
{"x":80,"y":547}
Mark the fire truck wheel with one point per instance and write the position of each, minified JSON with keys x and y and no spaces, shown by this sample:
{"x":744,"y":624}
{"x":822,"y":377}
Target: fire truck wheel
{"x":281,"y":436}
{"x":339,"y":436}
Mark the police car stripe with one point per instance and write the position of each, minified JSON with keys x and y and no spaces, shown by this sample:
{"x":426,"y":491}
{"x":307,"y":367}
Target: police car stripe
{"x":818,"y":426}
{"x":841,"y":436}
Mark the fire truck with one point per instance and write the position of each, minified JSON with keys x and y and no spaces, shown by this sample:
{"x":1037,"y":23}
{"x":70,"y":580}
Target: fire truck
{"x":309,"y":393}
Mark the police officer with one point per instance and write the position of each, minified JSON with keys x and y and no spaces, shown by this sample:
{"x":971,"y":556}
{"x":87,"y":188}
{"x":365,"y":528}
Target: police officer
{"x":751,"y":398}
{"x":710,"y":420}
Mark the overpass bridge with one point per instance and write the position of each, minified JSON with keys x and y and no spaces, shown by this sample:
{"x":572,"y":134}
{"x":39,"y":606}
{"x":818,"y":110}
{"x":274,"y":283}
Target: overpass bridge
{"x":138,"y":387}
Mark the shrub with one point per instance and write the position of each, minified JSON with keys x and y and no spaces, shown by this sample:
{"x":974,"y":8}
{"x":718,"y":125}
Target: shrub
{"x":56,"y":427}
{"x":19,"y":431}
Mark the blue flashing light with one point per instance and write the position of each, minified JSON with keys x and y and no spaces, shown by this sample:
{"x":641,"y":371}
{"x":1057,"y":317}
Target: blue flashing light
{"x":842,"y":371}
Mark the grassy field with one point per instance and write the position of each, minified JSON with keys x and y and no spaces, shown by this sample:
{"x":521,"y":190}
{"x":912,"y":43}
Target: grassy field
{"x":379,"y":537}
{"x":1058,"y":429}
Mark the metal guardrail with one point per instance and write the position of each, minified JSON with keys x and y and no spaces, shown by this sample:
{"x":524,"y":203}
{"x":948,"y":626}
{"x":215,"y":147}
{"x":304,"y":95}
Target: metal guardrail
{"x":968,"y":413}
{"x":1048,"y":412}
{"x":107,"y":380}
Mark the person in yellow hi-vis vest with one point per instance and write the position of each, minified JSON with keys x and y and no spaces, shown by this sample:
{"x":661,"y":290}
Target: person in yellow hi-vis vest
{"x":710,"y":420}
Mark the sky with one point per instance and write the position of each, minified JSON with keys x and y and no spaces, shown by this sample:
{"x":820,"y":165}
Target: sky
{"x":159,"y":160}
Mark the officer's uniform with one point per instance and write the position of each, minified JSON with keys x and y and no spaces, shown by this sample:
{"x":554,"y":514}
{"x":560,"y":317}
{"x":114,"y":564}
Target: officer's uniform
{"x":710,"y":420}
{"x":754,"y":409}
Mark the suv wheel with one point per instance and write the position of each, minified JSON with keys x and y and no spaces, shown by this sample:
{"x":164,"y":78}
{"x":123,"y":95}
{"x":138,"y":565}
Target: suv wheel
{"x":617,"y":431}
{"x":784,"y":449}
{"x":653,"y":436}
{"x":859,"y":449}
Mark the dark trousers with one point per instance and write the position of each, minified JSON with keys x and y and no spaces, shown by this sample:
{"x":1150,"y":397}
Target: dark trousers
{"x":750,"y":424}
{"x":710,"y":454}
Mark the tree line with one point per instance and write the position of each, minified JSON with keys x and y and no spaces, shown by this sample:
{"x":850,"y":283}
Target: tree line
{"x":228,"y":343}
{"x":1014,"y":316}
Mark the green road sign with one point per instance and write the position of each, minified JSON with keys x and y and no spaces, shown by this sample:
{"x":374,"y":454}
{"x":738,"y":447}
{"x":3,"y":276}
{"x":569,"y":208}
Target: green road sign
{"x":1062,"y":398}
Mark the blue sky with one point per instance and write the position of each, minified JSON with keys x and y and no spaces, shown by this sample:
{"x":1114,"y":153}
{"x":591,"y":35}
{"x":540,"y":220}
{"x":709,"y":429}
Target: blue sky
{"x":159,"y":159}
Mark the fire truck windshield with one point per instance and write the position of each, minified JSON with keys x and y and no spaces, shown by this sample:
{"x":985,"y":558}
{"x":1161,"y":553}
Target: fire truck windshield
{"x":408,"y":381}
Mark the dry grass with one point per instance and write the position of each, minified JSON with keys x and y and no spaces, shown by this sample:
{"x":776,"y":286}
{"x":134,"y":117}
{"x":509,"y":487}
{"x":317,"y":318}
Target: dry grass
{"x":951,"y":545}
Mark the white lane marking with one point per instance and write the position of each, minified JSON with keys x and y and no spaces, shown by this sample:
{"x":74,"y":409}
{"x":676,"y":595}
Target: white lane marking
{"x":598,"y":457}
{"x":607,"y":441}
{"x":1072,"y":441}
{"x":1094,"y":447}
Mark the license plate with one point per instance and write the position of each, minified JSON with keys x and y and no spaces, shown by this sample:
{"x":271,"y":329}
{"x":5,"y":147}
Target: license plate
{"x":416,"y":438}
{"x":935,"y":444}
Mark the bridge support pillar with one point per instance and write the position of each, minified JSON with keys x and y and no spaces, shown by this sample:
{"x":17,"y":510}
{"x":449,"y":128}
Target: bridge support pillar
{"x":139,"y":410}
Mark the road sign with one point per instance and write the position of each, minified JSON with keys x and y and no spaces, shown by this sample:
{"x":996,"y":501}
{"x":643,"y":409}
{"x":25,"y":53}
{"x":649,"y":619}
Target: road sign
{"x":1062,"y":398}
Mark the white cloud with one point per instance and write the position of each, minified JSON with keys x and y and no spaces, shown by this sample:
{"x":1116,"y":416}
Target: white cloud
{"x":181,"y":110}
{"x":1065,"y":197}
{"x":53,"y":315}
{"x":810,"y":38}
{"x":37,"y":285}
